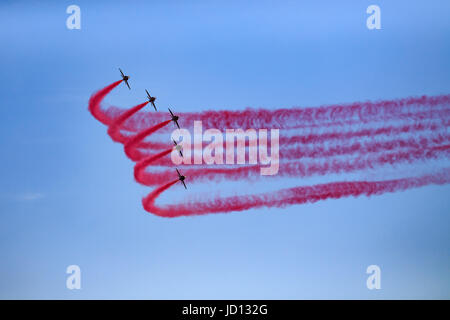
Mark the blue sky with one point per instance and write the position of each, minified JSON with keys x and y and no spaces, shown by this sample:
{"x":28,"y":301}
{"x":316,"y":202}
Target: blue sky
{"x":67,"y":194}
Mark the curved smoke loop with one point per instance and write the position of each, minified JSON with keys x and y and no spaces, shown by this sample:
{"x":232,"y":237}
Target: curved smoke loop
{"x":329,"y":145}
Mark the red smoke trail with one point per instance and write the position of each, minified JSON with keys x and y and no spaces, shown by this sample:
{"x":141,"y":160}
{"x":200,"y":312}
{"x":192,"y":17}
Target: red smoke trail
{"x":96,"y":99}
{"x":119,"y":118}
{"x":300,"y":169}
{"x":356,"y":113}
{"x":365,"y":147}
{"x":114,"y":128}
{"x":320,"y":151}
{"x":285,"y":197}
{"x":141,"y":165}
{"x":145,"y":120}
{"x":290,"y":121}
{"x":422,"y":111}
{"x":148,"y":201}
{"x":130,"y":146}
{"x":339,"y":136}
{"x":370,"y":132}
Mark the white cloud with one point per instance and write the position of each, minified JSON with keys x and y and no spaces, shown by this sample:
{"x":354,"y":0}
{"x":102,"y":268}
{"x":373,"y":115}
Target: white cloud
{"x":30,"y":196}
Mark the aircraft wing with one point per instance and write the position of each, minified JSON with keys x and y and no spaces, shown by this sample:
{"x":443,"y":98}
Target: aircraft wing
{"x":176,"y":122}
{"x":154,"y":106}
{"x":121,"y":73}
{"x":170,"y":112}
{"x":127,"y":84}
{"x":181,"y":154}
{"x":179,"y":175}
{"x":184,"y":185}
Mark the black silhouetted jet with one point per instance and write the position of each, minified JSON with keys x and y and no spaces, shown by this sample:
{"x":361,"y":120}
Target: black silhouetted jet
{"x":174,"y":118}
{"x":181,"y":178}
{"x":125,"y":78}
{"x":151,"y":99}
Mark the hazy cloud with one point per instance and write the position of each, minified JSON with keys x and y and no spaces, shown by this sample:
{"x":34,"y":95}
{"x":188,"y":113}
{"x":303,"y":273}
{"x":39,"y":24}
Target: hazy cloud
{"x":29,"y":196}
